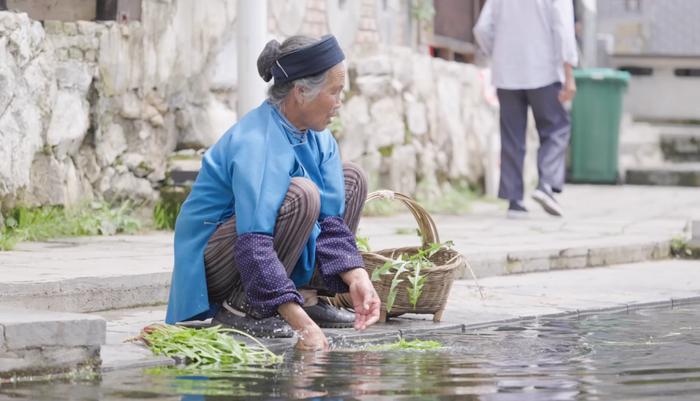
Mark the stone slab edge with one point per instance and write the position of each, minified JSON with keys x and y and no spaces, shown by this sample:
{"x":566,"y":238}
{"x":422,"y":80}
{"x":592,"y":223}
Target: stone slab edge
{"x":40,"y":343}
{"x":89,"y":294}
{"x":93,"y":294}
{"x":24,"y":329}
{"x":499,"y":264}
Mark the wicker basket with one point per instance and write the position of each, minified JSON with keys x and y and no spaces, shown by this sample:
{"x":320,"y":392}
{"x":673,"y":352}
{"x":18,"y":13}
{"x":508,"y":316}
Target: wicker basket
{"x":438,"y":278}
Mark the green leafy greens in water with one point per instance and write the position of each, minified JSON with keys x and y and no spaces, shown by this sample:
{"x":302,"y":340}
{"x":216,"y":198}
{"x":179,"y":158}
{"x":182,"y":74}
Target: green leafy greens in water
{"x":412,"y":264}
{"x":212,"y":347}
{"x":403,"y":344}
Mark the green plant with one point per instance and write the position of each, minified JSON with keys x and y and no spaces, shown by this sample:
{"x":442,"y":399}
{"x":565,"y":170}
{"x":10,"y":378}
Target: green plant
{"x":165,"y":215}
{"x":46,"y":222}
{"x":412,"y":264}
{"x":407,"y":231}
{"x":336,"y":127}
{"x":212,"y":347}
{"x":455,"y":199}
{"x":386,"y":151}
{"x":423,"y":10}
{"x":168,"y":207}
{"x":362,"y":243}
{"x":679,"y":247}
{"x":404,"y":345}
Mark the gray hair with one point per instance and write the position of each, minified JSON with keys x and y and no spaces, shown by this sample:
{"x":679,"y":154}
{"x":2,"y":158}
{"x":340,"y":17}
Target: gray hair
{"x":273,"y":50}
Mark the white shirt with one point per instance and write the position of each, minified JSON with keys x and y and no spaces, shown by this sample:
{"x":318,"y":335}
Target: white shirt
{"x":528,"y":40}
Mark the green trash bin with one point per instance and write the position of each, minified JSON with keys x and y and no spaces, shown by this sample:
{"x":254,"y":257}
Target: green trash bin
{"x":595,"y":124}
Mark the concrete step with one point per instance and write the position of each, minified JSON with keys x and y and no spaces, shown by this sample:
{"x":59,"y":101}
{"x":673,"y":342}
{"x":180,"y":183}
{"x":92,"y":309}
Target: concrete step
{"x":681,"y":143}
{"x":670,"y":174}
{"x":88,"y":274}
{"x":38,"y":343}
{"x":639,"y":144}
{"x":563,"y":258}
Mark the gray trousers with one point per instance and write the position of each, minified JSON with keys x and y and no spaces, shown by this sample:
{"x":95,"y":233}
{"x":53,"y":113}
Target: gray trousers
{"x":554,"y":128}
{"x":295,"y":220}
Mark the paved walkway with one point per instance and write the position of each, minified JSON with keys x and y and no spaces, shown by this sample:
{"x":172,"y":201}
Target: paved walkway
{"x":604,"y":225}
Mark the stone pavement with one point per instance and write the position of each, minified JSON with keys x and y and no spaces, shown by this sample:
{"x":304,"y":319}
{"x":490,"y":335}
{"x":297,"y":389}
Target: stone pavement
{"x":604,"y":225}
{"x":618,"y":288}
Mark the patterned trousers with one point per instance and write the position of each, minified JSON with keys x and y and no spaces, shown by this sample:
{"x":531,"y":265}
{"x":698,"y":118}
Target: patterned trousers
{"x":295,"y":220}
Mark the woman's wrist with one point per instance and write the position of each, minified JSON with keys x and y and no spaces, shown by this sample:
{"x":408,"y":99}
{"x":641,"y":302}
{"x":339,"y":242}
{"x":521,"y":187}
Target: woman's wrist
{"x":352,"y":275}
{"x":297,"y":318}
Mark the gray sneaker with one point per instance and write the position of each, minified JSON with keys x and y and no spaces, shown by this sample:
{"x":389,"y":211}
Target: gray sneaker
{"x":517,"y":211}
{"x":548,"y":203}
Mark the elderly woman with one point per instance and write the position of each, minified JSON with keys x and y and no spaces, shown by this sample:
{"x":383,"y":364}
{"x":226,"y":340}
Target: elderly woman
{"x":269,"y":225}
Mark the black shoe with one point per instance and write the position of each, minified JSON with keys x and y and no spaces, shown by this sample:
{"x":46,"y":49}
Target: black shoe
{"x":269,"y":327}
{"x":516,"y":210}
{"x":544,"y":196}
{"x":328,"y":316}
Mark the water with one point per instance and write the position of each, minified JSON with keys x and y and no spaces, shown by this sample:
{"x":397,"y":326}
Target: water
{"x":651,"y":354}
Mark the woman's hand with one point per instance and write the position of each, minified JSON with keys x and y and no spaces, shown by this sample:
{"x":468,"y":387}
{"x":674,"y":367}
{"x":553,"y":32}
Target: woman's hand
{"x":365,"y":300}
{"x":311,"y":337}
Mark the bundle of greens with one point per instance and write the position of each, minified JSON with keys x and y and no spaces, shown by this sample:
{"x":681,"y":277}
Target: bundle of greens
{"x":206,"y":347}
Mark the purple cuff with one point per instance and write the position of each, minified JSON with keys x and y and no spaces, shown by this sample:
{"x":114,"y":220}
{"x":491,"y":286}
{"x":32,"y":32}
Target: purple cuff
{"x":337,"y":252}
{"x":263,"y":275}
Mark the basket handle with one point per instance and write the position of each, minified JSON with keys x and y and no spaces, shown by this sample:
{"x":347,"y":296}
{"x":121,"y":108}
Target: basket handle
{"x":428,"y":230}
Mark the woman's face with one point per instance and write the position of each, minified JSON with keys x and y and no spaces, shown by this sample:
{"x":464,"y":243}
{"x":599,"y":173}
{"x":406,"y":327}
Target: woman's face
{"x":319,"y":111}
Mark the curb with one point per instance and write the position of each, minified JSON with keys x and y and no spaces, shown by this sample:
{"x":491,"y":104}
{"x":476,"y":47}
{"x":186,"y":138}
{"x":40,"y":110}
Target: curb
{"x":499,"y":264}
{"x":88,"y":294}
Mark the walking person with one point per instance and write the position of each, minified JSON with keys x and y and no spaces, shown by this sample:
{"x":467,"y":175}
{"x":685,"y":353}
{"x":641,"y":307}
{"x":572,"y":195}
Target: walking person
{"x":533,"y":50}
{"x":269,"y":225}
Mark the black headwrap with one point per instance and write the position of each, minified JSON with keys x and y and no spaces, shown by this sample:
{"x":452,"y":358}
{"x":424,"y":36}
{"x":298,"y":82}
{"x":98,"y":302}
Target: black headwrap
{"x":308,"y":60}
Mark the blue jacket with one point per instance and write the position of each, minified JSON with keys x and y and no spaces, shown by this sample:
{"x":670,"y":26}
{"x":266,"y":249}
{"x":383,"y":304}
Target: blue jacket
{"x":247,"y":173}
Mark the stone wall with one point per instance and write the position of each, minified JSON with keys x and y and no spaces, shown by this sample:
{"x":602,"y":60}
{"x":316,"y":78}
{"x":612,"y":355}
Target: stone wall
{"x":417,"y":123}
{"x":354,"y":23}
{"x":93,"y":110}
{"x":421,"y":125}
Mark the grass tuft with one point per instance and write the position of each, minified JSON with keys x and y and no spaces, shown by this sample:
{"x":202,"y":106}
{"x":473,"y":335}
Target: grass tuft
{"x":47,"y":222}
{"x":168,"y":207}
{"x":454,"y":200}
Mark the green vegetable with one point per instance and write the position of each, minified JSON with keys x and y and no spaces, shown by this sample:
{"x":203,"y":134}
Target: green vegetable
{"x":212,"y":347}
{"x":413,"y":265}
{"x":403,"y":344}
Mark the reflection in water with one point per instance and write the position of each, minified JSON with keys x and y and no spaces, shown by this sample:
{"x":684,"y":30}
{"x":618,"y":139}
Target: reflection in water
{"x":643,"y":355}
